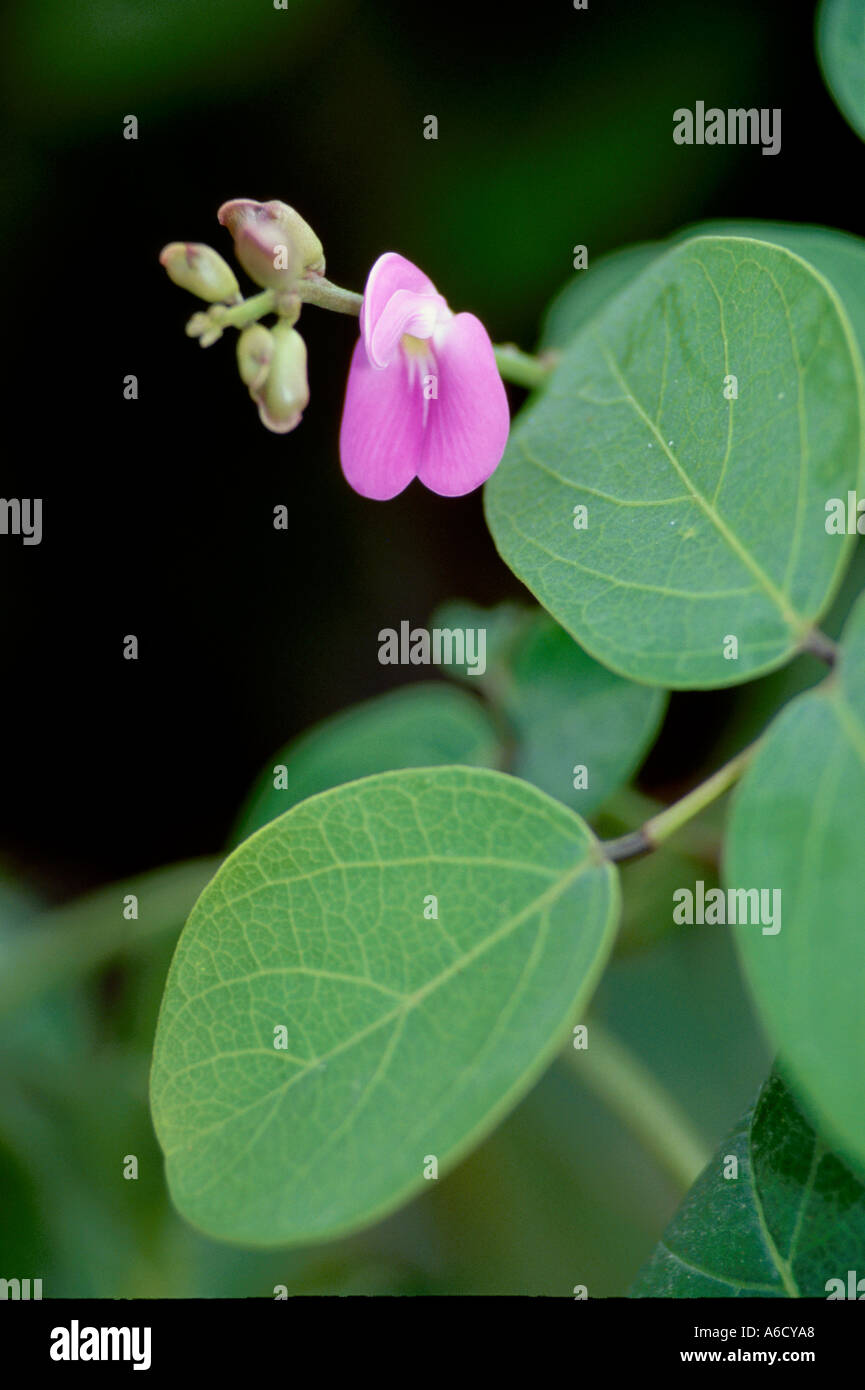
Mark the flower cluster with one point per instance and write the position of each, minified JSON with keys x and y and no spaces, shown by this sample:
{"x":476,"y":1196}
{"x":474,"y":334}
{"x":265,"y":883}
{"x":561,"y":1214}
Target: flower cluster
{"x":424,"y":397}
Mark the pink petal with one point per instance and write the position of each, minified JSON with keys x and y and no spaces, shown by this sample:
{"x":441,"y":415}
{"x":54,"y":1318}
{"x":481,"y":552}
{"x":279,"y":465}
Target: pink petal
{"x":405,"y":312}
{"x":381,"y":434}
{"x":390,"y":273}
{"x":467,"y":425}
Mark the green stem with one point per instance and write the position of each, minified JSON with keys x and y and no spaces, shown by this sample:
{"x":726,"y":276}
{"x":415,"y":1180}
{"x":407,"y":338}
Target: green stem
{"x":325,"y":295}
{"x":632,"y":1093}
{"x":514,"y":365}
{"x":247,"y":311}
{"x":628,"y":806}
{"x":821,"y":646}
{"x":660,"y":827}
{"x":520,"y":367}
{"x":66,"y":942}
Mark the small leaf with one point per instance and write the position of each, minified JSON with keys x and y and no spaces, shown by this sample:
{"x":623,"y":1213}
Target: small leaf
{"x":501,"y":625}
{"x":705,"y":513}
{"x":841,"y":50}
{"x":796,"y":826}
{"x":563,"y":711}
{"x":569,"y":713}
{"x":424,"y":725}
{"x":408,"y":1036}
{"x":791,"y":1219}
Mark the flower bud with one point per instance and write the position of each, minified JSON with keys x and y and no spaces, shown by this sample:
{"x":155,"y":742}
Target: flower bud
{"x":201,"y":270}
{"x":255,"y":347}
{"x":285,"y":393}
{"x":272,"y":242}
{"x":202,"y":327}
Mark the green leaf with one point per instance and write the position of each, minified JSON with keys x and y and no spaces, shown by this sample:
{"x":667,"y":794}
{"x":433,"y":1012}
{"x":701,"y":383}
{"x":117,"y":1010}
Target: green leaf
{"x":796,"y":826}
{"x":841,"y":50}
{"x":588,"y":291}
{"x":561,"y":709}
{"x":705,"y":515}
{"x":426,"y":725}
{"x":792,"y":1219}
{"x":566,"y":710}
{"x":502,"y":624}
{"x":407,"y":1036}
{"x":838,"y":256}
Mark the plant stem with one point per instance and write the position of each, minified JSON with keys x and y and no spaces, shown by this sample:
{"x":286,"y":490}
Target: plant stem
{"x":660,"y":827}
{"x":631,"y":1092}
{"x":66,"y":942}
{"x":520,"y":367}
{"x":514,"y":365}
{"x":821,"y":646}
{"x":328,"y":296}
{"x":247,"y":311}
{"x":627,"y":805}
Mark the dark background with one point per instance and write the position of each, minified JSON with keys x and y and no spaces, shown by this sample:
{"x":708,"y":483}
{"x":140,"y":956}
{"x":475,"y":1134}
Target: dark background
{"x":555,"y":128}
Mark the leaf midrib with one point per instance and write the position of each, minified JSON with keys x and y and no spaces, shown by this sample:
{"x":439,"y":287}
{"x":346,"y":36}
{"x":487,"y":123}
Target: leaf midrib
{"x":409,"y":1001}
{"x":795,"y":621}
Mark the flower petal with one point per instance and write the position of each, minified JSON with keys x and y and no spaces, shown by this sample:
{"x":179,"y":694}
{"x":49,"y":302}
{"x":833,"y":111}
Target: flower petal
{"x":467,"y":424}
{"x":405,"y":312}
{"x":393,"y":275}
{"x":381,"y":434}
{"x":390,"y":273}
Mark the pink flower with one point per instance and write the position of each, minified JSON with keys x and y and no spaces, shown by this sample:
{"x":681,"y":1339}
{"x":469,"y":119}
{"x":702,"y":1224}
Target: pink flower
{"x":424,"y":396}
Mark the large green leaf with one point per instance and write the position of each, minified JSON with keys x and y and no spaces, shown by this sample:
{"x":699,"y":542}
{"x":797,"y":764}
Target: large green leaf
{"x":841,"y":49}
{"x":796,"y":826}
{"x":407,"y":1035}
{"x":838,"y":256}
{"x":791,"y":1219}
{"x":706,"y":515}
{"x":424,"y":725}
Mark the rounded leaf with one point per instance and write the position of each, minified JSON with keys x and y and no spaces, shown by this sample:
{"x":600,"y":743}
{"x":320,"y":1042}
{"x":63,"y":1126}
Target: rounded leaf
{"x":796,"y":828}
{"x":369,"y":984}
{"x":703,"y":418}
{"x":784,"y":1222}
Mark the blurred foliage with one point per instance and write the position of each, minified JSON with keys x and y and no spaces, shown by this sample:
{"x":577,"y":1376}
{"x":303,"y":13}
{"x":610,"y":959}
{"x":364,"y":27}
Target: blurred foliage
{"x":143,"y":55}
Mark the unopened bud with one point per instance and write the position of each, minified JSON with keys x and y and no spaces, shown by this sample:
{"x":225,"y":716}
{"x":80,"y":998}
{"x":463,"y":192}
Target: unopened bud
{"x":255,"y":348}
{"x":285,"y":394}
{"x":273,"y":243}
{"x":201,"y":270}
{"x":202,"y":327}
